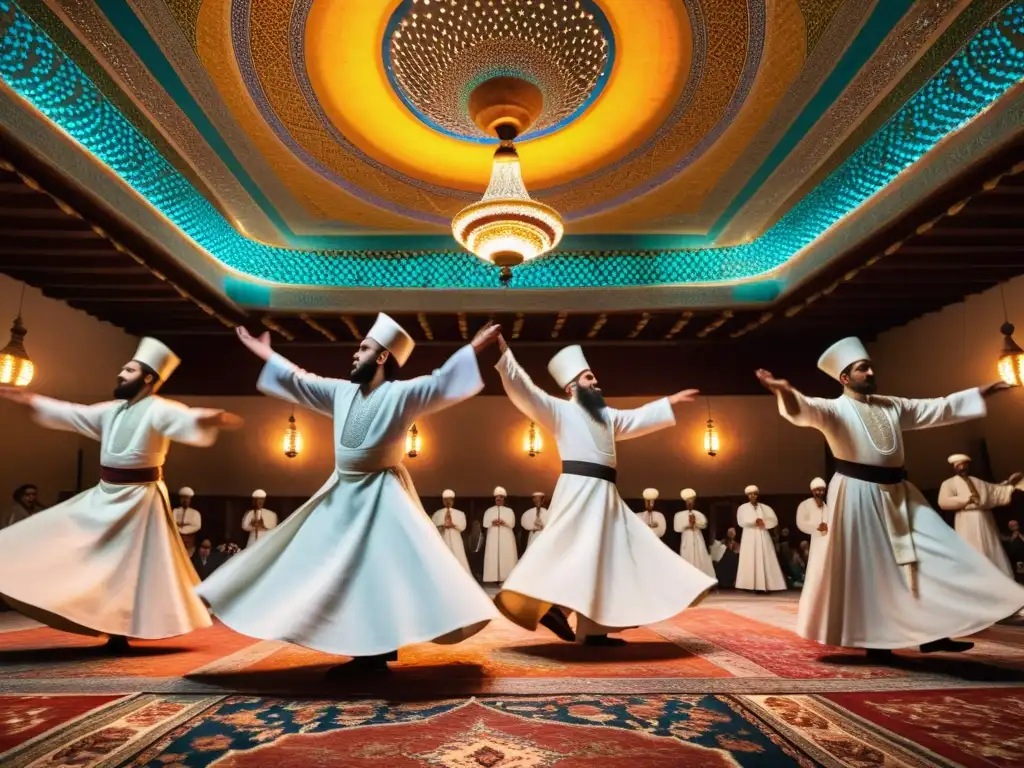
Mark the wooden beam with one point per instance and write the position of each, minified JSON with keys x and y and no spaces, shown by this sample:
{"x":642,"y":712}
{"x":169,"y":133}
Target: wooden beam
{"x":155,"y":291}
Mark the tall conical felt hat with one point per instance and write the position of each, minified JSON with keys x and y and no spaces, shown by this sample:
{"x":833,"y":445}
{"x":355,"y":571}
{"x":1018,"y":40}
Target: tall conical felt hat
{"x":842,"y":355}
{"x":567,"y":365}
{"x":392,"y":337}
{"x":157,"y":356}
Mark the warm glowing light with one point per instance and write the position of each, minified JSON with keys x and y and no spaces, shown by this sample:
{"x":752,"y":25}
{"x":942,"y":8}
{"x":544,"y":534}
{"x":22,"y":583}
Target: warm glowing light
{"x":15,"y":367}
{"x":292,"y":439}
{"x":412,"y":442}
{"x":533,"y":441}
{"x":1011,"y":359}
{"x":507,"y":227}
{"x":711,"y":439}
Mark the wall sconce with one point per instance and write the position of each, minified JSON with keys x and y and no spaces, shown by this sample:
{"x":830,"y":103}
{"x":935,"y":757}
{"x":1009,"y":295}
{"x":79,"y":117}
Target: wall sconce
{"x":412,"y":442}
{"x":533,"y":442}
{"x":1011,"y":358}
{"x":711,"y":435}
{"x":15,"y":367}
{"x":292,"y":438}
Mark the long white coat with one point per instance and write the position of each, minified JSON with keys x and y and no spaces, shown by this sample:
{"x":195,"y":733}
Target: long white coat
{"x":654,"y":520}
{"x":692,"y":546}
{"x":359,"y":569}
{"x":759,"y":568}
{"x":808,"y":517}
{"x":596,"y":556}
{"x":975,"y":522}
{"x":452,"y":537}
{"x":534,"y":519}
{"x":110,"y":560}
{"x":500,"y":553}
{"x":269,"y":519}
{"x":858,"y":594}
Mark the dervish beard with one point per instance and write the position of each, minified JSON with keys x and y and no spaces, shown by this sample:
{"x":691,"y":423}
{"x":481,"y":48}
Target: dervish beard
{"x":363,"y":373}
{"x":129,"y":389}
{"x":867,"y":387}
{"x":592,"y":401}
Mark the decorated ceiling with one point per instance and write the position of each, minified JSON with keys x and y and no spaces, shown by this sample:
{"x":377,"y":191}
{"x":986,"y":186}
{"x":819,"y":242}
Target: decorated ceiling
{"x":295,"y":153}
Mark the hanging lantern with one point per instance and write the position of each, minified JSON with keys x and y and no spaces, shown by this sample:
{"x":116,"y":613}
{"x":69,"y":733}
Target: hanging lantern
{"x":533,"y":443}
{"x":1011,"y":359}
{"x":711,"y":435}
{"x":412,"y":442}
{"x":15,"y":367}
{"x":292,"y":439}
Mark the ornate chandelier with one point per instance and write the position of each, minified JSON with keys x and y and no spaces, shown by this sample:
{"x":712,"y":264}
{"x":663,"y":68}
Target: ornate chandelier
{"x":16,"y":369}
{"x":506,"y":227}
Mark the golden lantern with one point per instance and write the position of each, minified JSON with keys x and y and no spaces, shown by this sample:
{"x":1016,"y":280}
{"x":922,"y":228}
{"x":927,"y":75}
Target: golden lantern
{"x":412,"y":442}
{"x":1011,"y":359}
{"x":292,"y":438}
{"x":15,"y":367}
{"x":533,"y":442}
{"x":711,"y":435}
{"x":507,"y":226}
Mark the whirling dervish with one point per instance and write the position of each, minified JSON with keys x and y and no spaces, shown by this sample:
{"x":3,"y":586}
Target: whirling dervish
{"x":691,"y":523}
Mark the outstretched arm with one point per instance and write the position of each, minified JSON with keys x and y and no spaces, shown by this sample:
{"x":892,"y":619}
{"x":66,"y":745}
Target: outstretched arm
{"x":531,"y":400}
{"x":86,"y":420}
{"x":940,"y":411}
{"x":457,"y":380}
{"x":794,"y":407}
{"x":284,"y":380}
{"x":192,"y":426}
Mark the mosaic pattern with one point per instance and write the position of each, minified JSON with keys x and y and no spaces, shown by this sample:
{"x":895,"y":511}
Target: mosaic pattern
{"x":436,"y":54}
{"x":34,"y":67}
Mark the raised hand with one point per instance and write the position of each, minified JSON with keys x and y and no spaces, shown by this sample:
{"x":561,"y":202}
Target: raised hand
{"x":769,"y":382}
{"x":17,"y":396}
{"x":1015,"y":478}
{"x":259,"y":346}
{"x":686,"y":396}
{"x":222,"y":420}
{"x":502,"y":344}
{"x":486,"y":336}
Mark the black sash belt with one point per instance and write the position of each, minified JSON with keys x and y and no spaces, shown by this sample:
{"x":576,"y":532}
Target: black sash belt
{"x":118,"y":476}
{"x":588,"y":469}
{"x":870,"y":474}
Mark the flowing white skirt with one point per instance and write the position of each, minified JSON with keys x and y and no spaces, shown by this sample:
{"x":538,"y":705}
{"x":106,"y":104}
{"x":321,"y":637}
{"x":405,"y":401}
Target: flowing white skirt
{"x":759,"y":568}
{"x":597,"y":558}
{"x":358,"y":570}
{"x":108,"y":561}
{"x":855,"y":594}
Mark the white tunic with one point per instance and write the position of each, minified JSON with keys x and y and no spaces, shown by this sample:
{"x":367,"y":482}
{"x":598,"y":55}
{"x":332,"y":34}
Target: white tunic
{"x":974,"y":521}
{"x":110,"y":560}
{"x":759,"y":564}
{"x":808,"y":517}
{"x":359,"y":569}
{"x":596,"y":556}
{"x":188,"y":522}
{"x":655,"y":521}
{"x":269,"y":520}
{"x":858,"y":594}
{"x":452,"y":536}
{"x":692,"y":547}
{"x":534,"y":520}
{"x":500,"y":554}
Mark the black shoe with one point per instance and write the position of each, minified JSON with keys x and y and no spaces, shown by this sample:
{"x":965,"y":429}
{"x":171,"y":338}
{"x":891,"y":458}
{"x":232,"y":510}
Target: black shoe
{"x":603,"y":641}
{"x":945,"y":645}
{"x":555,"y":621}
{"x":880,"y":655}
{"x":362,"y":665}
{"x":117,"y":644}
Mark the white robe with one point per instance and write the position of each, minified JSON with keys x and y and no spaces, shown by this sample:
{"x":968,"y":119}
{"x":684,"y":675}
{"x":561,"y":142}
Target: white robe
{"x":808,"y":517}
{"x":500,"y":553}
{"x":110,"y":560}
{"x":858,"y":595}
{"x":531,"y":518}
{"x":692,"y":547}
{"x":596,"y":556}
{"x":359,"y":569}
{"x":655,"y":521}
{"x":452,"y":537}
{"x":759,"y":568}
{"x":248,"y":525}
{"x":188,"y":521}
{"x":975,"y":522}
